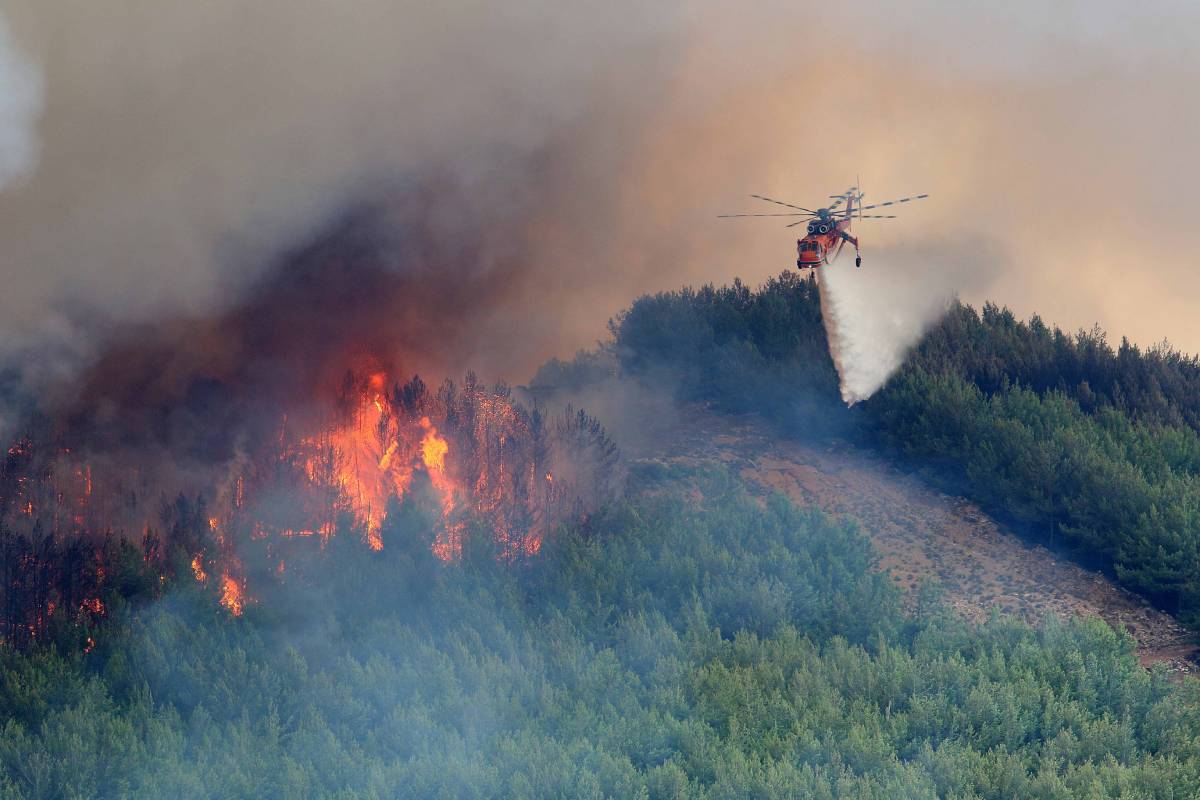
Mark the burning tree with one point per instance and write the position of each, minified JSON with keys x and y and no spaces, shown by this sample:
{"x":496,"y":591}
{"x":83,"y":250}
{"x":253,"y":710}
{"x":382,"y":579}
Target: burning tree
{"x":221,"y":449}
{"x":477,"y":458}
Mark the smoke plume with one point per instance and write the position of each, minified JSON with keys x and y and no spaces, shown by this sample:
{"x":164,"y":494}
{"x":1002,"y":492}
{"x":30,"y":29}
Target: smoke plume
{"x":20,"y":105}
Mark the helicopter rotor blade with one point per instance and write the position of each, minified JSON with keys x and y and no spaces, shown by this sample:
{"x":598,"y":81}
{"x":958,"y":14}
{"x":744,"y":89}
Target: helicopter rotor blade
{"x":726,"y":216}
{"x":894,"y":202}
{"x":840,"y":219}
{"x":832,"y":212}
{"x":864,"y":216}
{"x":781,"y":203}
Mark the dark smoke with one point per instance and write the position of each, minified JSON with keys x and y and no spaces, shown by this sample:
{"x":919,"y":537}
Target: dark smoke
{"x":217,"y":435}
{"x":590,"y":149}
{"x":380,"y":288}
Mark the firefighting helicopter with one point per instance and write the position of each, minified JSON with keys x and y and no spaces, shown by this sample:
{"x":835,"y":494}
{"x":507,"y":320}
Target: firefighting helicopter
{"x":829,"y":227}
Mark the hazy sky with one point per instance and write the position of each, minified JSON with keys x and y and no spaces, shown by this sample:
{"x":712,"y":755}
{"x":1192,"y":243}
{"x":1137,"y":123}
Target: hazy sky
{"x":178,"y":146}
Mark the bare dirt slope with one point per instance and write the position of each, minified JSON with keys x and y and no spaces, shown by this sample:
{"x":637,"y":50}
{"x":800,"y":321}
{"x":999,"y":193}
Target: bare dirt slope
{"x":919,"y":532}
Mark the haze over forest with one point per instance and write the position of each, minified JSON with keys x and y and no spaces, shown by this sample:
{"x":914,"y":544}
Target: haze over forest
{"x":385,"y":411}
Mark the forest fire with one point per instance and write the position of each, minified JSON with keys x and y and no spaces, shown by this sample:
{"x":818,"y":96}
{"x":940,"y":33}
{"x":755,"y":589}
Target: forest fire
{"x":471,"y":455}
{"x":232,"y":452}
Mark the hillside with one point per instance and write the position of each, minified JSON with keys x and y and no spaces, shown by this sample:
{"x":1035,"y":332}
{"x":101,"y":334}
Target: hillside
{"x":785,"y":598}
{"x":1073,"y":443}
{"x":924,"y":537}
{"x":693,"y":641}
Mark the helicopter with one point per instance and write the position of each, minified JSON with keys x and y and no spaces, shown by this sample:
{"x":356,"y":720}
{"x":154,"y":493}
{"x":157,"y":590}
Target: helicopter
{"x":828,"y":229}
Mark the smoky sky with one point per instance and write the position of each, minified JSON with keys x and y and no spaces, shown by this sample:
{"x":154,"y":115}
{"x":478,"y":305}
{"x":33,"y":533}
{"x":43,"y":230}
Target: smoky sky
{"x":183,"y":150}
{"x":20,"y":106}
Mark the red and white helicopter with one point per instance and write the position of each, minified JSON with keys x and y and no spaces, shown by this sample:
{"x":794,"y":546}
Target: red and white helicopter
{"x":829,"y":228}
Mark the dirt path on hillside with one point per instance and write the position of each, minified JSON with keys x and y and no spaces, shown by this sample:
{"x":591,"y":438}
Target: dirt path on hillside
{"x":918,"y":531}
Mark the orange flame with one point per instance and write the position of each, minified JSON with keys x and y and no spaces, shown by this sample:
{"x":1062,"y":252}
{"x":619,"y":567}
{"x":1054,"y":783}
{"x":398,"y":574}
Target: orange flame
{"x":366,"y":471}
{"x":485,"y":458}
{"x":92,"y":604}
{"x":374,"y":457}
{"x":448,"y":544}
{"x":231,"y":594}
{"x":433,"y":448}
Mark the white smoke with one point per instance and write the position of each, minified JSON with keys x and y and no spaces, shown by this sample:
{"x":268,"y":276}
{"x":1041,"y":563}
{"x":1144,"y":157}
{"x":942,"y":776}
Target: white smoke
{"x":875,"y":315}
{"x":20,"y":107}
